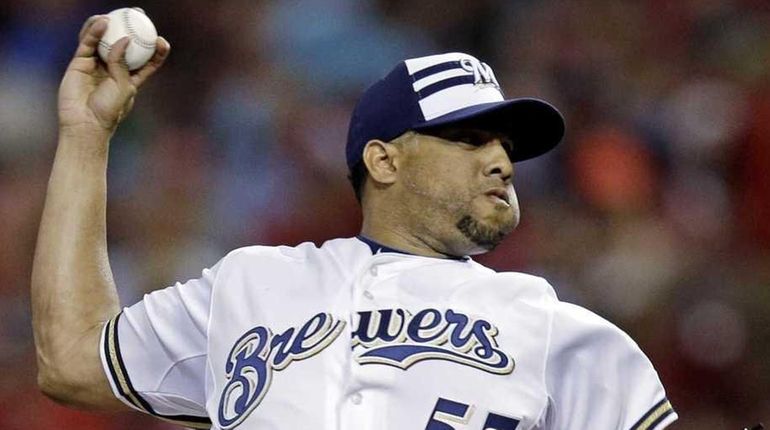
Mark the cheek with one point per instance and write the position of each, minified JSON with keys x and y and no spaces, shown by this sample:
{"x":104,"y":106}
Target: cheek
{"x":441,"y":181}
{"x":456,"y":177}
{"x":453,"y":189}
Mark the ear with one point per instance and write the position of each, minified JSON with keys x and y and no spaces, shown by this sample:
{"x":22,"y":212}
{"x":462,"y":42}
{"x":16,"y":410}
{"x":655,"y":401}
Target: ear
{"x":381,"y":161}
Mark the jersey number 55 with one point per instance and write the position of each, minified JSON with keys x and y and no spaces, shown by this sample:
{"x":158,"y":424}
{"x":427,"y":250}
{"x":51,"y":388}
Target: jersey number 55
{"x":448,"y":412}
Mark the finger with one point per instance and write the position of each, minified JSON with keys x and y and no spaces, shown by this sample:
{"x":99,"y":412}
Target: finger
{"x":162,"y":49}
{"x":116,"y":62}
{"x":91,"y":36}
{"x":88,"y":23}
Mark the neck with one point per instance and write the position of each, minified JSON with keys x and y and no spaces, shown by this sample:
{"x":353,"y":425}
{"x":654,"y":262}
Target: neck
{"x":395,"y":236}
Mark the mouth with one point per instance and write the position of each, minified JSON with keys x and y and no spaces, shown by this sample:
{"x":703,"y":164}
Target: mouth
{"x":499,"y":196}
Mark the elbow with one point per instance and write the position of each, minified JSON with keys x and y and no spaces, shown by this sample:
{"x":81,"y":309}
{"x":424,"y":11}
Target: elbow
{"x":53,"y":387}
{"x":70,"y":372}
{"x":58,"y":388}
{"x":71,"y":387}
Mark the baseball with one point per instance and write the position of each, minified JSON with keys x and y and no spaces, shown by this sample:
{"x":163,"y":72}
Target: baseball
{"x":131,"y":22}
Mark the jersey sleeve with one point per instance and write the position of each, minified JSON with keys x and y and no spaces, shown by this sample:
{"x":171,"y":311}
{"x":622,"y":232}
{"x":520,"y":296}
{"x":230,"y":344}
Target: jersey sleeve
{"x":597,"y":377}
{"x":154,"y":352}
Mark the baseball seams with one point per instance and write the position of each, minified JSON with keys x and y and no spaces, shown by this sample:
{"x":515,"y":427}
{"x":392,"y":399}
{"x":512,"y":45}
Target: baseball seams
{"x":105,"y":45}
{"x":132,"y":33}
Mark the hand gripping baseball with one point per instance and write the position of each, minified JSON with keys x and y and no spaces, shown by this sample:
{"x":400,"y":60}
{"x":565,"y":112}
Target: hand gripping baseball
{"x":96,"y":97}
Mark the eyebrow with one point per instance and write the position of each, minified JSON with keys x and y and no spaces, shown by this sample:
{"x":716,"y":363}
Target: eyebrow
{"x":457,"y":133}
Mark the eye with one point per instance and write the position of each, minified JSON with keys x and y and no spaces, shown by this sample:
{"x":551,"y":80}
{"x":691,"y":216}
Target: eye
{"x":467,"y":140}
{"x":470,"y":138}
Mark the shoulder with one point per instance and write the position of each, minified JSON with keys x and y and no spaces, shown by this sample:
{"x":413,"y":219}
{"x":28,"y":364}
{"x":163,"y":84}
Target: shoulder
{"x":302,"y":251}
{"x":570,"y":323}
{"x":271,"y":252}
{"x":577,"y":327}
{"x":583,"y":343}
{"x":517,"y":283}
{"x":342,"y":254}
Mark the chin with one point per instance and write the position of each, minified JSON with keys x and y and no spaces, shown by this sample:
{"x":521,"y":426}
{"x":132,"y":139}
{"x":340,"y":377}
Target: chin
{"x":484,"y":236}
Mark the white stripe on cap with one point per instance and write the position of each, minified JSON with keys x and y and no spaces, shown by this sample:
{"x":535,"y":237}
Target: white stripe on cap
{"x":454,"y":97}
{"x":458,"y":97}
{"x":414,"y":65}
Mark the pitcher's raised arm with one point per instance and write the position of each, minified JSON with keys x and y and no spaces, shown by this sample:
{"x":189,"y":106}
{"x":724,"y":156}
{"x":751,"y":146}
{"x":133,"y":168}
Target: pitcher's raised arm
{"x":73,"y":292}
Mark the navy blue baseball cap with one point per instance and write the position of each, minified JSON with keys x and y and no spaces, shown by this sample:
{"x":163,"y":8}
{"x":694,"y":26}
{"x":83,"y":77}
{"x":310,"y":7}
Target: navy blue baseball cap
{"x":457,"y":89}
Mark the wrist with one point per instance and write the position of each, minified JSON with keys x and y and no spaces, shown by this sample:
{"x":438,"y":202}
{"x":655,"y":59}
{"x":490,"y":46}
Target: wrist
{"x":84,"y":143}
{"x":85,"y":133}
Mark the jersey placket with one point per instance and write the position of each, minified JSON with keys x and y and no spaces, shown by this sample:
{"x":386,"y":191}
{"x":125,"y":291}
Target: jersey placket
{"x":372,"y":290}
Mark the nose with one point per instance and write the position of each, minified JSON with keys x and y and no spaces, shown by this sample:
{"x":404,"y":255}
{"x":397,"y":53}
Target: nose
{"x":496,"y":160}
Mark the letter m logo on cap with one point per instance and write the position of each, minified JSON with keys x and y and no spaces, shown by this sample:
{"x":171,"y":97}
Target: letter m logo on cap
{"x":447,"y":82}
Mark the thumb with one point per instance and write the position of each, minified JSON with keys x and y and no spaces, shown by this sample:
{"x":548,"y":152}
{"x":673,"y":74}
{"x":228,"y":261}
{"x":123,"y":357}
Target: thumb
{"x":117,"y":66}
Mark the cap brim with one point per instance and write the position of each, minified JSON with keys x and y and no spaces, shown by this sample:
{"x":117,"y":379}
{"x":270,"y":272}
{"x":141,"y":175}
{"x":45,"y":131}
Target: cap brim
{"x":534,"y":126}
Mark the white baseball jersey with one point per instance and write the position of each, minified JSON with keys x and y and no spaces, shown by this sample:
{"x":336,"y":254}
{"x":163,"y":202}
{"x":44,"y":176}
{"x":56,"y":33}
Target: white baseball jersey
{"x":354,"y":336}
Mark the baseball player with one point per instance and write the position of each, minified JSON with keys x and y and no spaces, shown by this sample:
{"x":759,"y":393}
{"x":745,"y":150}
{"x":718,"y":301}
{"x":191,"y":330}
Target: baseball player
{"x":397,"y":328}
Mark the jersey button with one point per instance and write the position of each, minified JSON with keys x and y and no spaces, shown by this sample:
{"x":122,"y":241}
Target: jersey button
{"x":368,"y":295}
{"x":373,"y":270}
{"x":356,"y":398}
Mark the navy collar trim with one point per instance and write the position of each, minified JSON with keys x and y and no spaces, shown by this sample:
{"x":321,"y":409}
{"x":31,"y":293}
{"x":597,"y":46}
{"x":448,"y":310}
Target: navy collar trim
{"x":377,"y":248}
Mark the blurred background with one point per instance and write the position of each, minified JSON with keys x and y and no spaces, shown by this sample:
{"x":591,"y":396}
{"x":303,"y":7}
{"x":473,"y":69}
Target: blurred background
{"x":654,"y":211}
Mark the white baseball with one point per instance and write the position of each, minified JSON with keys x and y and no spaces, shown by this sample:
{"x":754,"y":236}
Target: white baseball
{"x":131,"y":22}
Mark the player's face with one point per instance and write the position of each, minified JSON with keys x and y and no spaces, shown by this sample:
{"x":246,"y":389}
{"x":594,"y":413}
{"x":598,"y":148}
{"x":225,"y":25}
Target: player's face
{"x":458,"y":182}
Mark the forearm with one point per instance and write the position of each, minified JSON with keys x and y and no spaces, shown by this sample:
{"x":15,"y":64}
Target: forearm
{"x":73,"y":292}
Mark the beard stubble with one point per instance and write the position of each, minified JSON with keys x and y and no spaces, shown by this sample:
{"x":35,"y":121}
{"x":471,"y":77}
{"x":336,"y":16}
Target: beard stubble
{"x":481,"y":234}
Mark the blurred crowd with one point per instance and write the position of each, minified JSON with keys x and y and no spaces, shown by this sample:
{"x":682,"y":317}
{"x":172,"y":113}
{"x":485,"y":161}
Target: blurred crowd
{"x":654,"y":211}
